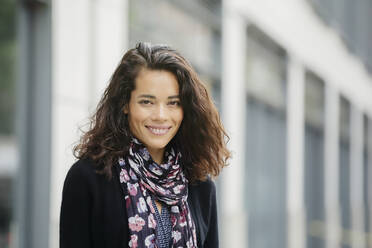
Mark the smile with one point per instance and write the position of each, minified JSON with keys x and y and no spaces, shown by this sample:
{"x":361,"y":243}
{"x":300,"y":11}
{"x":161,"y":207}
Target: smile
{"x":158,"y":130}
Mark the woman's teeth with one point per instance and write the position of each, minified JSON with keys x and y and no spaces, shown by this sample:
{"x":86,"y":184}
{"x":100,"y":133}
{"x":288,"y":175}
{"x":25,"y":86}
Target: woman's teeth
{"x":158,"y":131}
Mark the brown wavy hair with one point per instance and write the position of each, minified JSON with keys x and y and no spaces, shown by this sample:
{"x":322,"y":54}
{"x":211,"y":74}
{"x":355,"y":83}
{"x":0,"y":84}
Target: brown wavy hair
{"x":201,"y":137}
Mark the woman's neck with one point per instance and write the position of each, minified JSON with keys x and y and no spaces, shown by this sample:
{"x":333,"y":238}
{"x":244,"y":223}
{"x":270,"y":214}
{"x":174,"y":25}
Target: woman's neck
{"x":157,"y":155}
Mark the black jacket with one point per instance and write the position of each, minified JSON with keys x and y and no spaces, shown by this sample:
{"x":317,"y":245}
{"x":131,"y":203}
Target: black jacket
{"x":93,"y":213}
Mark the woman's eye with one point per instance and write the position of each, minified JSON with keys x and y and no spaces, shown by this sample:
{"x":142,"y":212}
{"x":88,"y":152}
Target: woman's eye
{"x":175,"y":103}
{"x":145,"y":102}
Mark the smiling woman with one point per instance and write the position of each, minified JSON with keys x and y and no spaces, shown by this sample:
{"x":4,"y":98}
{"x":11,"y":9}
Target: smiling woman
{"x":143,"y":178}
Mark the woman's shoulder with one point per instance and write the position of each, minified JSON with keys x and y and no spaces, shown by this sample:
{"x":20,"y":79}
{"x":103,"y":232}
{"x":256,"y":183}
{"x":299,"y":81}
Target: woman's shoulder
{"x":82,"y":167}
{"x":82,"y":171}
{"x":203,"y":188}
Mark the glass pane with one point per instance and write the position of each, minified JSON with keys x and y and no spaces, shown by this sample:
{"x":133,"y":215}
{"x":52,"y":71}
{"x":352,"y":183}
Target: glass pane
{"x":265,"y":69}
{"x":314,"y":101}
{"x":344,"y":185}
{"x":8,"y":148}
{"x":314,"y":160}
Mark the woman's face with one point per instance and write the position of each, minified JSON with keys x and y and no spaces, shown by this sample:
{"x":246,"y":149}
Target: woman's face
{"x":154,"y":110}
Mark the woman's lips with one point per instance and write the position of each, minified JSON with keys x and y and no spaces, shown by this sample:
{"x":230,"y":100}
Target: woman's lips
{"x":158,"y":130}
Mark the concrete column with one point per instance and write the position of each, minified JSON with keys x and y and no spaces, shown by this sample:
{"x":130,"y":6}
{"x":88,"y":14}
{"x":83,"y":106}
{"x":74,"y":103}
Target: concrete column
{"x":33,"y":124}
{"x":109,"y":42}
{"x":331,"y":167}
{"x":234,"y":220}
{"x":89,"y":38}
{"x":295,"y":155}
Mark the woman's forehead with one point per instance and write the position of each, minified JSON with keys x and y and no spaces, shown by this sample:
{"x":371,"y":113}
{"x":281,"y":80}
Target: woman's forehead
{"x":156,"y":82}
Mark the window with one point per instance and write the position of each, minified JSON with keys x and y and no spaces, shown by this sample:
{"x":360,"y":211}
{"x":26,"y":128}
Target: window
{"x":314,"y":159}
{"x":265,"y":175}
{"x":344,"y":163}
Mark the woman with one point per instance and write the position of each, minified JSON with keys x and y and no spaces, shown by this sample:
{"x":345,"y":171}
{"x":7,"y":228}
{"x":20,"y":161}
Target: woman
{"x":143,"y":174}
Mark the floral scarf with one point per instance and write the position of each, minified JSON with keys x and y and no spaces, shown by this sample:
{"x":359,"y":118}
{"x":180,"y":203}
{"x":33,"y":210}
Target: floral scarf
{"x":143,"y":179}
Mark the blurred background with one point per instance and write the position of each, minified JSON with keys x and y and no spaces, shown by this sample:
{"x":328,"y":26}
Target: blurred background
{"x":292,"y":80}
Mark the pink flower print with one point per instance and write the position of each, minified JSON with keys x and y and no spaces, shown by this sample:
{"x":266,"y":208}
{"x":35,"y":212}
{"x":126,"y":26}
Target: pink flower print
{"x":127,"y":201}
{"x":183,"y":220}
{"x":149,"y":203}
{"x":173,"y":220}
{"x":178,"y":189}
{"x":175,"y":209}
{"x":143,"y":189}
{"x":121,"y":161}
{"x":150,"y":241}
{"x":132,"y":175}
{"x":136,"y":223}
{"x":124,"y":176}
{"x":176,"y":235}
{"x":132,"y":188}
{"x":155,"y":169}
{"x":133,"y":241}
{"x":141,"y":205}
{"x":151,"y":221}
{"x":145,"y":154}
{"x":165,"y":166}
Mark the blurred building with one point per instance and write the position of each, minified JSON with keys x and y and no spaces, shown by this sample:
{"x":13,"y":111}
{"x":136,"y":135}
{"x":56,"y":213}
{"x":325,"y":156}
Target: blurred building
{"x":292,"y":79}
{"x":296,"y":93}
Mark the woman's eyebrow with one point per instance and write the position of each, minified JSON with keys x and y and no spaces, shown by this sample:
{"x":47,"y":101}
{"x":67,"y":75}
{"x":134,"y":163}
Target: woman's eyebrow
{"x":147,"y":96}
{"x":153,"y":97}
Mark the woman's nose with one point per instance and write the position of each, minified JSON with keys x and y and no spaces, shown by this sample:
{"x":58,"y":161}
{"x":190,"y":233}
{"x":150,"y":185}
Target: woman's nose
{"x":160,"y":112}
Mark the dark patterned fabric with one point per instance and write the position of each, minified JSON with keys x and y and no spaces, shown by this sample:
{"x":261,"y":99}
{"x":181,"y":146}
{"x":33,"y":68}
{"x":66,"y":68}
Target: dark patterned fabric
{"x":143,"y":179}
{"x":164,"y":227}
{"x":93,"y":205}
